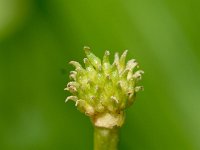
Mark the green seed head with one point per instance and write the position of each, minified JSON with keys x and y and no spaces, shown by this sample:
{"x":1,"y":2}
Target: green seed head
{"x":102,"y":90}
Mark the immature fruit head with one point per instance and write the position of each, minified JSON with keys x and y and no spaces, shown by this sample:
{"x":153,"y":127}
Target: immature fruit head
{"x":102,"y":90}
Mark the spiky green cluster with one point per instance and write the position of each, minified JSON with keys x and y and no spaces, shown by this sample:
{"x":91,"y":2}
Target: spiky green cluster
{"x":103,"y":90}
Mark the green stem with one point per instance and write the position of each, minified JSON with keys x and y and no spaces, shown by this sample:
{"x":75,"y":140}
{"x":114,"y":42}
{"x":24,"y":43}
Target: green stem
{"x":106,"y":139}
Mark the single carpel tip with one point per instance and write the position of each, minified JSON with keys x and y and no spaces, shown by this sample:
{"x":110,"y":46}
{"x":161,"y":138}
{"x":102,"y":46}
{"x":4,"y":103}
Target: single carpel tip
{"x":72,"y":77}
{"x":133,"y":61}
{"x":116,"y":54}
{"x":141,"y":71}
{"x":138,"y":74}
{"x":66,"y":89}
{"x":85,"y":60}
{"x":107,"y":52}
{"x":125,"y":52}
{"x":114,"y":99}
{"x":73,"y":98}
{"x":70,"y":62}
{"x":66,"y":100}
{"x":123,"y":56}
{"x":77,"y":102}
{"x":75,"y":64}
{"x":139,"y":88}
{"x":86,"y":49}
{"x":73,"y":72}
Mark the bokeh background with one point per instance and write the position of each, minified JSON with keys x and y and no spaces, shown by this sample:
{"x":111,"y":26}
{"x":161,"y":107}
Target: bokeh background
{"x":39,"y":37}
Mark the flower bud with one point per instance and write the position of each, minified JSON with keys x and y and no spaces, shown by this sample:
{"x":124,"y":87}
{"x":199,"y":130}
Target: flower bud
{"x":102,"y":90}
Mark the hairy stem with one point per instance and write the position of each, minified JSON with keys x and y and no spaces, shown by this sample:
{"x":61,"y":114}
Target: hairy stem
{"x":105,"y":138}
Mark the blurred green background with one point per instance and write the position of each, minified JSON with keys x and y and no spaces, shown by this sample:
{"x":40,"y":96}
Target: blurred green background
{"x":39,"y":37}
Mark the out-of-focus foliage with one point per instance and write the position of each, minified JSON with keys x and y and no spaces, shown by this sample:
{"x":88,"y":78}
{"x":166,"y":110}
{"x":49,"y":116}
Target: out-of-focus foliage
{"x":39,"y":37}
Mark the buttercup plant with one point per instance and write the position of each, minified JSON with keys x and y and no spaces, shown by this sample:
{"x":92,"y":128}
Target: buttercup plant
{"x":103,"y":91}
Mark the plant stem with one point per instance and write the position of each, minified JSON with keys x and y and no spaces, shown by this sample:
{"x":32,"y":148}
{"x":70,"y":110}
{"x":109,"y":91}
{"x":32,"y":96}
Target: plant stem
{"x":105,"y":138}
